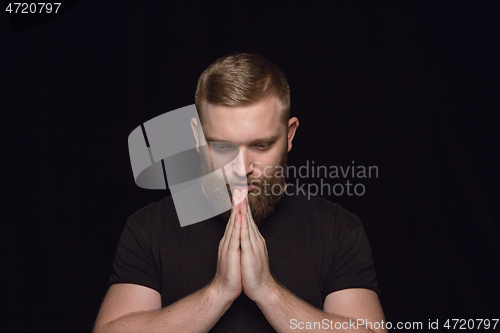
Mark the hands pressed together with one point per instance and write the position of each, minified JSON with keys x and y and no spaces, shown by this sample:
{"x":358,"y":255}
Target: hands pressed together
{"x":243,"y":262}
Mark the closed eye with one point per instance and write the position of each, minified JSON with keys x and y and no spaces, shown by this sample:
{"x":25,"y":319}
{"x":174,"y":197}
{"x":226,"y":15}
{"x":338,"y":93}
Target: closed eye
{"x":222,"y":147}
{"x":263,"y":146}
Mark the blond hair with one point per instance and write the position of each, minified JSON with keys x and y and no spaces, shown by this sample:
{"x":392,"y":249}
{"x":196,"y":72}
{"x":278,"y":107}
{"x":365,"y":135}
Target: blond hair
{"x":242,"y":79}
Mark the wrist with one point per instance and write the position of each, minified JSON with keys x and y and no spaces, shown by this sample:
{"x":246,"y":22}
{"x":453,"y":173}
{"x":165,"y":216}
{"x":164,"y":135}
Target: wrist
{"x":217,"y":293}
{"x":269,"y":294}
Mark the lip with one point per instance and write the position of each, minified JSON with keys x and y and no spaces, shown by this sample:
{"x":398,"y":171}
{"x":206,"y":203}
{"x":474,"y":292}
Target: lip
{"x":249,"y":187}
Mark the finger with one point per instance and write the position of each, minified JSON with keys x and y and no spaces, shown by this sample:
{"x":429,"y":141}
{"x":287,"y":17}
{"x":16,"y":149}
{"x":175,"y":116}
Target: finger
{"x":236,"y":200}
{"x":249,"y":210}
{"x":234,"y":243}
{"x":229,"y":229}
{"x":243,"y":197}
{"x":244,"y":206}
{"x":236,"y":193}
{"x":229,"y":221}
{"x":240,"y":196}
{"x":251,"y":231}
{"x":246,"y":244}
{"x":251,"y":222}
{"x":254,"y":230}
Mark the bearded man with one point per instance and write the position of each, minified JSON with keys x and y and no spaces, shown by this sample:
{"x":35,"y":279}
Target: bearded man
{"x":278,"y":261}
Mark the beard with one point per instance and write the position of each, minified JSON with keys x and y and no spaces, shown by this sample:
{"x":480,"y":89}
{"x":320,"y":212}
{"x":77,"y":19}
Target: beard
{"x":268,"y":189}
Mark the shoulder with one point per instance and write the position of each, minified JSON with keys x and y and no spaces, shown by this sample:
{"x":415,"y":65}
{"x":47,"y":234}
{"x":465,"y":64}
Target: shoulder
{"x":321,"y":209}
{"x":151,"y":216}
{"x":324,"y":216}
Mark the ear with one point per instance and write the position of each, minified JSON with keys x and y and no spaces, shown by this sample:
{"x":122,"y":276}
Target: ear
{"x":194,"y":127}
{"x":293,"y":123}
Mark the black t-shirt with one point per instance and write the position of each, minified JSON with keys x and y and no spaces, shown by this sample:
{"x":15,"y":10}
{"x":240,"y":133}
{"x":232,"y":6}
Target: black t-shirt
{"x":315,"y":248}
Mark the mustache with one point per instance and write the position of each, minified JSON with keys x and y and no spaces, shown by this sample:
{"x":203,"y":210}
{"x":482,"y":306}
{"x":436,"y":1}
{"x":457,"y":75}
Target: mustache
{"x":249,"y":181}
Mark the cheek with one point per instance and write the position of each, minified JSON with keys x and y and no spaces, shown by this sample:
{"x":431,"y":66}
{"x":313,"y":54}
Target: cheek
{"x":274,"y":158}
{"x":265,"y":164}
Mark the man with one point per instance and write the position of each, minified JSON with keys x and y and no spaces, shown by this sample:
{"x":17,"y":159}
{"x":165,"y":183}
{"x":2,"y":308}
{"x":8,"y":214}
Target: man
{"x":274,"y":262}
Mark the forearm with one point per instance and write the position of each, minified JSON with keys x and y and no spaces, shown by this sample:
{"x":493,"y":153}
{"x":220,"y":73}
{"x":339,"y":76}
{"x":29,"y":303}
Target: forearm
{"x":288,"y":313}
{"x":198,"y":312}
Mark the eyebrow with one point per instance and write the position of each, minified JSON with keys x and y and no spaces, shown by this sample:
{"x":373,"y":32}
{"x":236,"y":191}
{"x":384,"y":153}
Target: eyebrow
{"x":268,"y":139}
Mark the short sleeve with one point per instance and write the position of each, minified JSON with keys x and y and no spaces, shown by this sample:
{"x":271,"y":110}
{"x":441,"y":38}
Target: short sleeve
{"x":134,"y":260}
{"x":352,"y":263}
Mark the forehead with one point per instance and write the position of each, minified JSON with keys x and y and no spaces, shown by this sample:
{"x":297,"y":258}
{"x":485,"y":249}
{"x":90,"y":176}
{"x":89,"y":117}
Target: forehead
{"x":242,"y":124}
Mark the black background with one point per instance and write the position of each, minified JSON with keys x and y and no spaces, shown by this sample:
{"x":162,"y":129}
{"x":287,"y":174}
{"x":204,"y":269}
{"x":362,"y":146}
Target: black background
{"x":411,"y":87}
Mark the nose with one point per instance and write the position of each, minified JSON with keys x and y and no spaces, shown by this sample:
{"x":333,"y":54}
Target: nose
{"x":242,"y":166}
